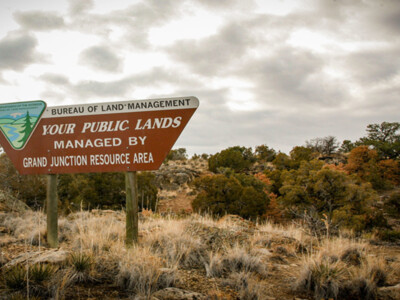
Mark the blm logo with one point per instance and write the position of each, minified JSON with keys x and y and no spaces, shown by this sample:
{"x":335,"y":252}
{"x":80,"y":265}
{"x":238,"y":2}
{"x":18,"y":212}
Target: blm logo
{"x":18,"y":121}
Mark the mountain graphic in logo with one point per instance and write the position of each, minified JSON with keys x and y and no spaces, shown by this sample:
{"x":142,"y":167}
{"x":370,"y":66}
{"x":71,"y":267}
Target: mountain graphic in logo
{"x":18,"y":121}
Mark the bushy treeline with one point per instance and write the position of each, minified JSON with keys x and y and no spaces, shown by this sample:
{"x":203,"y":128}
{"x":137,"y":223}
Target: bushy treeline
{"x":322,"y":183}
{"x":77,"y":191}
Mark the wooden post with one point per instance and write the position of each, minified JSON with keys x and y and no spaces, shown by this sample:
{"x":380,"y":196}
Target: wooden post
{"x":132,"y":220}
{"x":52,"y":211}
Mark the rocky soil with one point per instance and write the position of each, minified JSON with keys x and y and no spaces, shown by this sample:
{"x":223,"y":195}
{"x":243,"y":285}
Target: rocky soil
{"x":173,"y":181}
{"x":230,"y":258}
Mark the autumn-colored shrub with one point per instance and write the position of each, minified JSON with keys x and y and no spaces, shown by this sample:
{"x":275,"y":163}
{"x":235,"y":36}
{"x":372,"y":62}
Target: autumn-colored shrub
{"x":365,"y":163}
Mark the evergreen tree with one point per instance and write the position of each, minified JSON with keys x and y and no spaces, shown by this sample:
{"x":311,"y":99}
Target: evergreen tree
{"x":27,"y":128}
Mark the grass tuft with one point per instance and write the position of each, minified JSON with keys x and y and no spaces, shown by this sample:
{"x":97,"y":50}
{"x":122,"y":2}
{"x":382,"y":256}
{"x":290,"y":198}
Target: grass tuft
{"x":321,"y":278}
{"x":15,"y":278}
{"x":143,"y":273}
{"x":234,"y":260}
{"x":245,"y":285}
{"x":38,"y":273}
{"x":81,"y":267}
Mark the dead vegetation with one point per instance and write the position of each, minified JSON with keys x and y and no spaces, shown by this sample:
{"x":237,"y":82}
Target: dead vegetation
{"x":230,"y":258}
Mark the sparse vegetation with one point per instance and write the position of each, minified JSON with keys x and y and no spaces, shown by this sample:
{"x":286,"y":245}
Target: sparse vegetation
{"x":319,"y":218}
{"x":172,"y":249}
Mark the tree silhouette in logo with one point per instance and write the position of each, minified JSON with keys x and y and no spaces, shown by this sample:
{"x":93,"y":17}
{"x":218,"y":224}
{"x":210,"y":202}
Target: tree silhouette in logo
{"x":27,"y":128}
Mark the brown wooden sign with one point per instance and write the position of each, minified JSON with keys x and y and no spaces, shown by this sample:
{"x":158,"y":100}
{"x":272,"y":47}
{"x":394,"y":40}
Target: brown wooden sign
{"x":102,"y":137}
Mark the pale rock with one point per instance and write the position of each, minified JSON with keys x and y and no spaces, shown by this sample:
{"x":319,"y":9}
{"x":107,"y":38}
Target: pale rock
{"x":178,"y":294}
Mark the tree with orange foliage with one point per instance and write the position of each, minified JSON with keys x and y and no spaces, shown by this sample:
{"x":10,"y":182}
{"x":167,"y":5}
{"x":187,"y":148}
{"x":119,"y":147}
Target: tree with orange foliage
{"x":273,"y":212}
{"x":365,"y":162}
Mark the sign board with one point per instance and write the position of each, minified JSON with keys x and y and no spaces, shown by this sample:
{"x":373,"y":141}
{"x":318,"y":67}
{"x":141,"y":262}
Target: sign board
{"x":101,"y":137}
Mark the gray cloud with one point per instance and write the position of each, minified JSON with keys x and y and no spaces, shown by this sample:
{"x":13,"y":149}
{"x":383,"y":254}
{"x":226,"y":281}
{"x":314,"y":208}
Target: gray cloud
{"x":116,"y":88}
{"x":296,"y":99}
{"x":214,"y":55}
{"x":294,"y":77}
{"x":55,"y":79}
{"x":17,"y":51}
{"x":101,"y":58}
{"x":226,"y":5}
{"x":373,"y":66}
{"x":39,"y":20}
{"x":102,"y":88}
{"x":355,"y":20}
{"x":135,"y":21}
{"x":80,"y":6}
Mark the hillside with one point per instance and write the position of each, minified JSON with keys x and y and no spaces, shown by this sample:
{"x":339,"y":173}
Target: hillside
{"x":172,"y":180}
{"x":182,"y":255}
{"x":191,"y":258}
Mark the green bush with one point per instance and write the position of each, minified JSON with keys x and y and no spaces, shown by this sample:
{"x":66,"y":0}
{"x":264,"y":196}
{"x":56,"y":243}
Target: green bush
{"x":340,"y":199}
{"x":236,"y":158}
{"x":392,"y":205}
{"x":263,"y":152}
{"x":237,"y":194}
{"x":103,"y":190}
{"x":30,"y":189}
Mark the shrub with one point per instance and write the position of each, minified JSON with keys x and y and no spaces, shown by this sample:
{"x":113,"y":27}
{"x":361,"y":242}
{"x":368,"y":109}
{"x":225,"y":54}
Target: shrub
{"x":31,"y":189}
{"x":365,"y":162}
{"x":102,"y":190}
{"x":392,"y":204}
{"x":241,"y":194}
{"x":326,"y":145}
{"x":236,"y":158}
{"x":389,"y":235}
{"x":338,"y":198}
{"x":263,"y":152}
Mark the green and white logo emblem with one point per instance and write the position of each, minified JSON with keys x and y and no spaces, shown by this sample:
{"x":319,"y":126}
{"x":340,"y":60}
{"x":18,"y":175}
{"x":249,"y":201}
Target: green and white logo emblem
{"x":18,"y":121}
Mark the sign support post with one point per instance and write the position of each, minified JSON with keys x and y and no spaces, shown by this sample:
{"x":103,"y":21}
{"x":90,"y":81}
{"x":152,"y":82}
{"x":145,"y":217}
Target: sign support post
{"x":132,"y":221}
{"x":52,"y":211}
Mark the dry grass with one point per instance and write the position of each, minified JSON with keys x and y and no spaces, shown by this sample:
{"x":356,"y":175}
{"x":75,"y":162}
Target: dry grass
{"x":321,"y":278}
{"x":246,"y":285}
{"x":229,"y":252}
{"x":235,"y":260}
{"x":143,"y":273}
{"x":342,"y":268}
{"x":31,"y":227}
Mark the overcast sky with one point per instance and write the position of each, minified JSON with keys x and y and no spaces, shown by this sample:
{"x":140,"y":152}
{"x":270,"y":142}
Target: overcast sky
{"x":275,"y":72}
